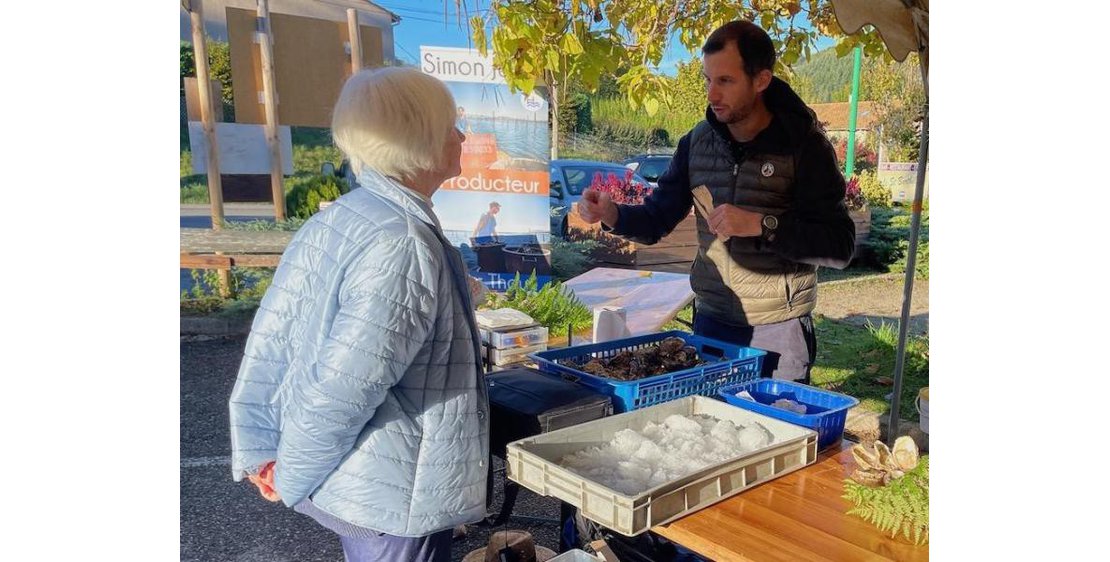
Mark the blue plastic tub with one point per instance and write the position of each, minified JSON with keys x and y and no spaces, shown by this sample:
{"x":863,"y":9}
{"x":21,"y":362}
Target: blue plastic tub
{"x":730,"y":364}
{"x":826,"y":411}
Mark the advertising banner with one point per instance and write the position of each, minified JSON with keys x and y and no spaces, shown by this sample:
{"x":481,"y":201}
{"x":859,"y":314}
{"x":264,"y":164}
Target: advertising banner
{"x":497,"y":211}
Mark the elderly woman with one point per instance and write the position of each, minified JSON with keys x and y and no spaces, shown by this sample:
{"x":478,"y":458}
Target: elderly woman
{"x":360,"y":399}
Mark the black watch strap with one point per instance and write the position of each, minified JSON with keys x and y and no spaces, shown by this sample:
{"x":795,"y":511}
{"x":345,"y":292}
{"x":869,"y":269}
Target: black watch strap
{"x":770,"y":224}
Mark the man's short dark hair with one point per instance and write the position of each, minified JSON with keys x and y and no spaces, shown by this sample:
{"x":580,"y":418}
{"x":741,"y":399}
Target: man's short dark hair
{"x":494,"y":204}
{"x":754,"y":44}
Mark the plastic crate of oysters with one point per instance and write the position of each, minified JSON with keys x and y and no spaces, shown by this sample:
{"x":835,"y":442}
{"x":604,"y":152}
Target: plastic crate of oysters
{"x":642,"y":371}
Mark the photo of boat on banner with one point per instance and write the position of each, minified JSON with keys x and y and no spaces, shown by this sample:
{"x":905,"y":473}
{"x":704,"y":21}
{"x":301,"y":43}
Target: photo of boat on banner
{"x":497,"y":211}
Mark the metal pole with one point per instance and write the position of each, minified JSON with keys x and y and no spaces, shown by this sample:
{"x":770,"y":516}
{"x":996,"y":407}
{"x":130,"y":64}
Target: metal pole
{"x":911,"y":266}
{"x":850,"y":158}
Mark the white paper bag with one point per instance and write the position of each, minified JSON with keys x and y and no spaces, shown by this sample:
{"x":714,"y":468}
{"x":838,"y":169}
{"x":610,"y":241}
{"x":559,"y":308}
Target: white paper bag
{"x":610,"y":323}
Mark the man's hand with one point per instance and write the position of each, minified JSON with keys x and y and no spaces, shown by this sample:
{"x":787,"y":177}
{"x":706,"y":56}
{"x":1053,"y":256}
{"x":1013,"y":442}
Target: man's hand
{"x":597,"y":206}
{"x":265,"y":482}
{"x":730,"y":220}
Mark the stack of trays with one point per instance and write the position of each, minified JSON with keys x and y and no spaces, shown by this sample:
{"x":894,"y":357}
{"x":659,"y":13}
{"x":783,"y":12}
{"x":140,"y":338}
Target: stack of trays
{"x":507,"y":341}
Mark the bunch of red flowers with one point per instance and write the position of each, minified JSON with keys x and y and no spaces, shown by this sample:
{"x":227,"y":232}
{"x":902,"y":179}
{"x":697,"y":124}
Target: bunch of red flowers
{"x":853,"y":195}
{"x":621,"y":190}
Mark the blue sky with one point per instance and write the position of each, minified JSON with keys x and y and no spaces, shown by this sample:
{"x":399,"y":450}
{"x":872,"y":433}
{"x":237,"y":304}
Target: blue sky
{"x":422,"y":23}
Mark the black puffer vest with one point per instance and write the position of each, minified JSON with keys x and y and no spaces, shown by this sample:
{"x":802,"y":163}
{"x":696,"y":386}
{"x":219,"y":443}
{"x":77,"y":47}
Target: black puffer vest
{"x":740,"y":281}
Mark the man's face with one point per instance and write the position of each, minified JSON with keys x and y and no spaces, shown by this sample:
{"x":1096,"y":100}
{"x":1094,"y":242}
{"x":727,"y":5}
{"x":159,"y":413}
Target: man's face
{"x":731,"y":93}
{"x":494,"y":210}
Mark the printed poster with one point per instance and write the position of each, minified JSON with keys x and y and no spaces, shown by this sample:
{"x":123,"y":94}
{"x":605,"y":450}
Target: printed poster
{"x":497,"y":211}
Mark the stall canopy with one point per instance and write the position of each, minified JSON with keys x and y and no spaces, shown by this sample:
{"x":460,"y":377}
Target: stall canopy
{"x":903,"y":26}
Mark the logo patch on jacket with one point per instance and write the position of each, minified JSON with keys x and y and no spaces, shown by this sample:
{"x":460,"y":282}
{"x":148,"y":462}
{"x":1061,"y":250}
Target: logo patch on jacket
{"x":768,"y":169}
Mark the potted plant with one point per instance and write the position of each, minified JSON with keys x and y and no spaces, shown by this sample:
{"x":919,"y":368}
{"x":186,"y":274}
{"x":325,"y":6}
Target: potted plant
{"x":859,"y":211}
{"x":680,"y":245}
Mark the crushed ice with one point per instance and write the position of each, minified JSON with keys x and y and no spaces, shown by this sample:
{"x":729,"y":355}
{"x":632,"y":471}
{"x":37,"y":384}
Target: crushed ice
{"x":637,"y":461}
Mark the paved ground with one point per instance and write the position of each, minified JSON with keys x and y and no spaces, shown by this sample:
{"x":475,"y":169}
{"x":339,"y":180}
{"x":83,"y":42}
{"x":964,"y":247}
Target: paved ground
{"x":224,"y":520}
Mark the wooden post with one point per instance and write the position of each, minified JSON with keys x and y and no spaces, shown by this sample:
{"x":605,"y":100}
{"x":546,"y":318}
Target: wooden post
{"x":356,"y":40}
{"x":269,"y":94}
{"x":208,"y":121}
{"x":207,"y":114}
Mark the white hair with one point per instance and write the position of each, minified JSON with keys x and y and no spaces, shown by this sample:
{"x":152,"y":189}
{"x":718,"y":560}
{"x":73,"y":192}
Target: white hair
{"x":394,"y":120}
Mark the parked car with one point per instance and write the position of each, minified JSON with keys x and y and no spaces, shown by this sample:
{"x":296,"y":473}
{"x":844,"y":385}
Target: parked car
{"x":569,"y":178}
{"x":650,"y":166}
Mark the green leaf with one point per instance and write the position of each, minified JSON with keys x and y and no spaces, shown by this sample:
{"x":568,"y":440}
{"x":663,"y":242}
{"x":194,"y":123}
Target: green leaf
{"x":478,"y":35}
{"x":570,"y":44}
{"x":552,"y":60}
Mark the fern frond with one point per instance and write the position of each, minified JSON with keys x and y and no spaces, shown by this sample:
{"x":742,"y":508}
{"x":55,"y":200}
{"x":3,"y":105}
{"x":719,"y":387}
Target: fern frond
{"x":899,"y":508}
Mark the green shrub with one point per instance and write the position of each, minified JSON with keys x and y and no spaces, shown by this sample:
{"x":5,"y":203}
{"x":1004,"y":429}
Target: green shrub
{"x":570,"y":259}
{"x":194,"y":192}
{"x":876,"y":194}
{"x":186,"y":163}
{"x":575,"y":115}
{"x":553,"y":306}
{"x":304,"y":193}
{"x":311,"y":137}
{"x":889,"y":240}
{"x":307,"y":158}
{"x":219,"y":68}
{"x":248,"y":285}
{"x":614,"y":118}
{"x":289,"y":225}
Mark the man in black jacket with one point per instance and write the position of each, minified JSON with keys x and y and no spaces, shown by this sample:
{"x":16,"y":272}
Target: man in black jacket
{"x":778,"y":205}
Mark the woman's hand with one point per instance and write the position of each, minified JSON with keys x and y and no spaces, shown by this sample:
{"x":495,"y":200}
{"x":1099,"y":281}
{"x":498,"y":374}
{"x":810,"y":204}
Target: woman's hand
{"x":265,"y":482}
{"x":478,"y":291}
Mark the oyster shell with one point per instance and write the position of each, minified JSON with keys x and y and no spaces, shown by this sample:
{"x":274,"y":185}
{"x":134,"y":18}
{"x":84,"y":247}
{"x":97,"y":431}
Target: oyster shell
{"x":905,"y":453}
{"x":878,"y":464}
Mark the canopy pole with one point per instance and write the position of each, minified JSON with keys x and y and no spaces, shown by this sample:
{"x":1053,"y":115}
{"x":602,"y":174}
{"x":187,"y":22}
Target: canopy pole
{"x":850,"y":153}
{"x":911,"y":265}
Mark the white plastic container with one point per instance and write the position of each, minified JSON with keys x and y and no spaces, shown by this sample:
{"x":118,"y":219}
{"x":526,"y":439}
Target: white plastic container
{"x":922,"y":404}
{"x":534,"y":463}
{"x":514,"y":339}
{"x":575,"y":555}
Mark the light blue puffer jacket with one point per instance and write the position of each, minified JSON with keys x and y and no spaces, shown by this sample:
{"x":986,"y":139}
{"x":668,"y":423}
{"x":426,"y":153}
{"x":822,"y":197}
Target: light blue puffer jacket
{"x":361,"y":375}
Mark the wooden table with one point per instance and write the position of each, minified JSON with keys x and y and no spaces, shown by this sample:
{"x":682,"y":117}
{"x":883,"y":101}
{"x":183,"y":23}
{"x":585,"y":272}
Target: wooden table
{"x":800,"y":516}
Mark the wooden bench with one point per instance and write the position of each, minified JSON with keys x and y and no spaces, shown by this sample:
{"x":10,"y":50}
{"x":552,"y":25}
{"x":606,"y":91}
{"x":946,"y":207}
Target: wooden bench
{"x":203,"y":248}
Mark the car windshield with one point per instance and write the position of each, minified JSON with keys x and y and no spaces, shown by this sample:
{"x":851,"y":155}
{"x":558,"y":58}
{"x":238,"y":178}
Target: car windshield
{"x":652,"y":168}
{"x":580,"y":177}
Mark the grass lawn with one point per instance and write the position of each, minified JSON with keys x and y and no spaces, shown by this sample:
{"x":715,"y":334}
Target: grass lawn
{"x":851,"y":358}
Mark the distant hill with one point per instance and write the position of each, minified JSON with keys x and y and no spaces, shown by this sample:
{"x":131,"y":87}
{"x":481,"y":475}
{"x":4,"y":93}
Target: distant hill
{"x":824,"y":78}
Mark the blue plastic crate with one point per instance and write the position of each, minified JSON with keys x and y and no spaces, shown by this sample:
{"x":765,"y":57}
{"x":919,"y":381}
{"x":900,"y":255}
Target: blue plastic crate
{"x":730,"y":364}
{"x":826,"y":411}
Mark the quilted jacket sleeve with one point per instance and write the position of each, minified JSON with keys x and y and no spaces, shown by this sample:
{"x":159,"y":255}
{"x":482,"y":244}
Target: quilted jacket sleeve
{"x":254,"y":417}
{"x":386,"y":312}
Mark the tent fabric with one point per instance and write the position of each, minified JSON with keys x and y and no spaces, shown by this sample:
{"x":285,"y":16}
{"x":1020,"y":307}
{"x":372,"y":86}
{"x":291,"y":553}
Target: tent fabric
{"x":902,"y":24}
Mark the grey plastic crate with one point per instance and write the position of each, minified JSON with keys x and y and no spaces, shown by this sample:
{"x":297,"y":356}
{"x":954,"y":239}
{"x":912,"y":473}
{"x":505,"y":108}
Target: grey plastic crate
{"x":575,"y":555}
{"x":533,"y":463}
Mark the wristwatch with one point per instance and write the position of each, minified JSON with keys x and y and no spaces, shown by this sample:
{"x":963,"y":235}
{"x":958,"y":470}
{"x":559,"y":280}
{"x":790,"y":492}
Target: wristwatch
{"x":769,"y":223}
